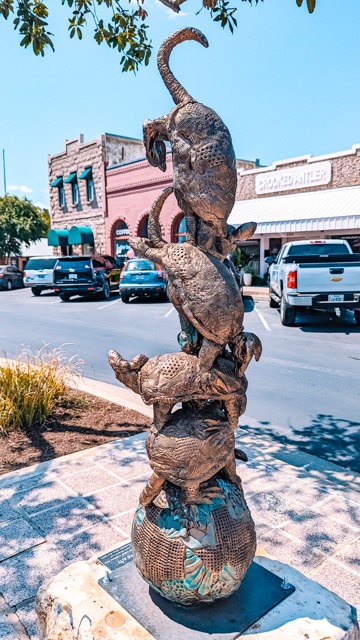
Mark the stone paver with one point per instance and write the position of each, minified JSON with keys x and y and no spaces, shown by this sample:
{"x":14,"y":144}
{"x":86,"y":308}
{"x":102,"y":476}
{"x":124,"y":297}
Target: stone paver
{"x":84,"y":504}
{"x":7,"y":512}
{"x":345,"y":583}
{"x":7,"y":631}
{"x":93,"y":541}
{"x":294,"y":552}
{"x":68,"y":519}
{"x":21,"y":576}
{"x":320,"y":531}
{"x":43,"y":496}
{"x":342,"y":510}
{"x":27,"y":616}
{"x":89,"y":480}
{"x":16,"y":536}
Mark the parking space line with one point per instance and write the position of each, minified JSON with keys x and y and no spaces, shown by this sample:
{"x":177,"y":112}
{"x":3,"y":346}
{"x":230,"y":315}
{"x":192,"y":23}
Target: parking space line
{"x":109,"y":303}
{"x":168,"y":313}
{"x":262,"y":318}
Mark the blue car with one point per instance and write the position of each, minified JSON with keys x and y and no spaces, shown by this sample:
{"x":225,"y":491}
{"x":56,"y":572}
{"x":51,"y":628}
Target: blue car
{"x":142,"y":278}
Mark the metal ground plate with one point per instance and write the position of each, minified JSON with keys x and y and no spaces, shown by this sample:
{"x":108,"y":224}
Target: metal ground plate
{"x":226,"y":619}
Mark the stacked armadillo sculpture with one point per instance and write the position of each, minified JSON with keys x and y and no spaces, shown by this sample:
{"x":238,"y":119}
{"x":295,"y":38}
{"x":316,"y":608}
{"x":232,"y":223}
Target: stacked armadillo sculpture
{"x":193,"y":535}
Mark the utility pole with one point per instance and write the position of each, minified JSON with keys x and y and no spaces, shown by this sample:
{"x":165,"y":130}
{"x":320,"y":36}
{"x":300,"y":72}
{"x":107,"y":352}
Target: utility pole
{"x":4,"y":169}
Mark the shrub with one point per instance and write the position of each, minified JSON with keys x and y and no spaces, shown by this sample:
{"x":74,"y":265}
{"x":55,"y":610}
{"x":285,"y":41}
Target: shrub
{"x":32,"y":385}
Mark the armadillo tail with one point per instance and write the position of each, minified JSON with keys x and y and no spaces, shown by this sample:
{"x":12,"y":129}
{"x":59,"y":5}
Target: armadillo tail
{"x":177,"y":91}
{"x":154,"y":228}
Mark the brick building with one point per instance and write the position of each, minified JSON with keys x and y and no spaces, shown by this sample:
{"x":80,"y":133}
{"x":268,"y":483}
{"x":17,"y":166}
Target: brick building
{"x":300,"y":198}
{"x":101,"y":193}
{"x":77,"y":190}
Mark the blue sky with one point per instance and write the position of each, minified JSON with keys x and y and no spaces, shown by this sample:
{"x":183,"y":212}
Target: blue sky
{"x":286,"y":84}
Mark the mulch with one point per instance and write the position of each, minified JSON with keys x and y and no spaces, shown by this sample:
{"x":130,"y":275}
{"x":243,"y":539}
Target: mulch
{"x":79,"y":422}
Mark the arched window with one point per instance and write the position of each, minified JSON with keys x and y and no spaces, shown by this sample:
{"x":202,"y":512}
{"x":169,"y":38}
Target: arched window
{"x":178,"y":231}
{"x":143,"y":227}
{"x":120,"y":237}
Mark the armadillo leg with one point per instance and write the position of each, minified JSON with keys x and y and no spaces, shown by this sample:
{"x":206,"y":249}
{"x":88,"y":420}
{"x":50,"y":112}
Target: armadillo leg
{"x":162,"y":413}
{"x":232,"y":411}
{"x":152,"y":489}
{"x":207,"y":355}
{"x":191,"y":494}
{"x":230,"y":472}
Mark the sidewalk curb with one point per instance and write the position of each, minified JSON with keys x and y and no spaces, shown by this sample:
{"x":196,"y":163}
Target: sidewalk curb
{"x":287,"y":458}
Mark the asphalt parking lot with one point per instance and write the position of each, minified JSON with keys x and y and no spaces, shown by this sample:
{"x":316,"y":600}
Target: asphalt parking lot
{"x":305,"y":390}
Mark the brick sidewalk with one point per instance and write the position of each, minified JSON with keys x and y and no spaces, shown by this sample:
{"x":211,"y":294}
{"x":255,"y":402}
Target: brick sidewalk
{"x":307,"y":513}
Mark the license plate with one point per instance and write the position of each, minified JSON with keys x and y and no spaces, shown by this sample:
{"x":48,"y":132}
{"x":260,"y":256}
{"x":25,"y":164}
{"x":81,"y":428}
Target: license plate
{"x":336,"y":298}
{"x":140,"y":277}
{"x":72,"y":276}
{"x":41,"y":275}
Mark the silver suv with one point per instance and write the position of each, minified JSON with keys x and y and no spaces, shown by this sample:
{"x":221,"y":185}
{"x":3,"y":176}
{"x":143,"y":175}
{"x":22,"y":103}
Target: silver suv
{"x":39,"y":273}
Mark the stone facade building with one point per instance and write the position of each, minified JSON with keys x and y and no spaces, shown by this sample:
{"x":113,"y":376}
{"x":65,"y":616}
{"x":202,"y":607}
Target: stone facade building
{"x":77,"y":190}
{"x":101,"y":192}
{"x":300,"y":198}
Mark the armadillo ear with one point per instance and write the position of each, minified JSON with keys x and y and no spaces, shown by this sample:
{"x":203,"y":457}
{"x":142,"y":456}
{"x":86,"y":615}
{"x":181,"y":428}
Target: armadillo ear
{"x":243,"y":232}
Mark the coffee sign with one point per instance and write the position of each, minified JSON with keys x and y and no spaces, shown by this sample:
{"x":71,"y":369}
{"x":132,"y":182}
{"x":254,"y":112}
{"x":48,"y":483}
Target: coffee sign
{"x":295,"y":178}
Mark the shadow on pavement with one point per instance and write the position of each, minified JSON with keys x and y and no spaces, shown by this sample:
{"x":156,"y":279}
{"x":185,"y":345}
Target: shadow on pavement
{"x":328,"y":437}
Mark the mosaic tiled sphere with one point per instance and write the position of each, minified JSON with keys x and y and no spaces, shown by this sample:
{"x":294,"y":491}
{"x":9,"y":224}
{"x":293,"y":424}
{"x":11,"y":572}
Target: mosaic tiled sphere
{"x":197,"y":552}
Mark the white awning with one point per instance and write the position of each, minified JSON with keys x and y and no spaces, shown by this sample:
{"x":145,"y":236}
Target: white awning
{"x":328,"y":209}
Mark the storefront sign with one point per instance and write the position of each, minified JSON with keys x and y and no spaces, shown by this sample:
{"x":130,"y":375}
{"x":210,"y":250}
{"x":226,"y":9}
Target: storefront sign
{"x":122,"y":232}
{"x":295,"y":178}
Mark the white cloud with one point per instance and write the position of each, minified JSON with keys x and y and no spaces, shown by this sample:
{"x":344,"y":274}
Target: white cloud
{"x":20,"y":187}
{"x":41,"y":205}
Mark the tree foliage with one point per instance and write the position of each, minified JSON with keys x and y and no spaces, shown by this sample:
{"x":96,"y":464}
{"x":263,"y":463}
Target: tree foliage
{"x":21,"y":222}
{"x":118,"y":24}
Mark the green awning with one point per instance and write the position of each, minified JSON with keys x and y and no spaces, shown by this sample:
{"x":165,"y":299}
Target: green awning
{"x":71,"y":178}
{"x":58,"y":238}
{"x":86,"y":174}
{"x":58,"y":182}
{"x":81,"y":235}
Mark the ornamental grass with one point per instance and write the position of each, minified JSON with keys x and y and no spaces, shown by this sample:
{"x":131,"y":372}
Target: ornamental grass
{"x":32,"y":385}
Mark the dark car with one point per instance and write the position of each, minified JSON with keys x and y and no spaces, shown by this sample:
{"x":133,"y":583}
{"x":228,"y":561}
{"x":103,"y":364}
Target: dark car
{"x":86,"y":275}
{"x":142,"y":278}
{"x":10,"y":277}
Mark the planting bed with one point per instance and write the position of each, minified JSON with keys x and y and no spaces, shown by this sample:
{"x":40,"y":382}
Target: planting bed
{"x":79,"y":422}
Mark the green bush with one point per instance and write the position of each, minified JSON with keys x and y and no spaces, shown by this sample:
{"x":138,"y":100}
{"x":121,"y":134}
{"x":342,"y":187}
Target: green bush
{"x":32,"y":385}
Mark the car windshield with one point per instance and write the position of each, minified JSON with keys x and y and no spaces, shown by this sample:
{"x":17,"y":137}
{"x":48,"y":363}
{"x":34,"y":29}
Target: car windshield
{"x":140,"y":265}
{"x":41,"y":263}
{"x":78,"y":265}
{"x":317,"y":250}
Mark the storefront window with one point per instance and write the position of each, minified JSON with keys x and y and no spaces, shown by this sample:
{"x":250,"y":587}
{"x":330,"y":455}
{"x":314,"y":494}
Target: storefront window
{"x":178,"y":232}
{"x":251,"y":249}
{"x":143,"y":227}
{"x":120,"y":240}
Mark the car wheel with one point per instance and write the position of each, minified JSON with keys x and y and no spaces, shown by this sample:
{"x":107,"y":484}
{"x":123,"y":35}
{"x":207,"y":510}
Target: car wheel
{"x":357,"y":316}
{"x":125,"y":299}
{"x":35,"y":291}
{"x":287,"y":312}
{"x":9,"y":285}
{"x":105,"y":294}
{"x":272,"y":303}
{"x":64,"y":297}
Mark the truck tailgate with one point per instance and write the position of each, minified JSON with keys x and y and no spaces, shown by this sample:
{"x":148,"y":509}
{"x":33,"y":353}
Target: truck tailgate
{"x":328,"y":278}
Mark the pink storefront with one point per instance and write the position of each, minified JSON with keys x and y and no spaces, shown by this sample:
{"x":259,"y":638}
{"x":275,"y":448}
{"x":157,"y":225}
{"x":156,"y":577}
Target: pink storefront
{"x":130,"y":191}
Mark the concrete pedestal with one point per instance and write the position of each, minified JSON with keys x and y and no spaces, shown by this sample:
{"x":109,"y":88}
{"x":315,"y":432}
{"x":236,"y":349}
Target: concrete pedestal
{"x":73,"y":604}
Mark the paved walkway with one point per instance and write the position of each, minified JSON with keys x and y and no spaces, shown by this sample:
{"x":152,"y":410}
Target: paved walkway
{"x":307,"y":513}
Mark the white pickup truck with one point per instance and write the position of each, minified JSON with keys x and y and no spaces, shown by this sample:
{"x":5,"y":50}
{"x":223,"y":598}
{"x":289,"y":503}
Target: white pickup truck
{"x":320,"y":274}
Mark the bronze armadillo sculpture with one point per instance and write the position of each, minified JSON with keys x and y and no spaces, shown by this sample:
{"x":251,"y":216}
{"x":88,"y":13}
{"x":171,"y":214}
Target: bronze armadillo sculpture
{"x":204,"y":163}
{"x":187,"y":452}
{"x":203,"y":291}
{"x":168,"y":379}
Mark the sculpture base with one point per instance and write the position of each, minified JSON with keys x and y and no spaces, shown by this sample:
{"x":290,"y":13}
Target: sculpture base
{"x":224,"y":619}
